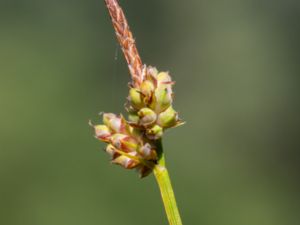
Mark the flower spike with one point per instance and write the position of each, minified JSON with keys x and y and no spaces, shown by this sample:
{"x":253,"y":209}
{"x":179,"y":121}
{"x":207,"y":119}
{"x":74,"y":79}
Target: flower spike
{"x":135,"y":143}
{"x":126,"y":40}
{"x":149,"y":105}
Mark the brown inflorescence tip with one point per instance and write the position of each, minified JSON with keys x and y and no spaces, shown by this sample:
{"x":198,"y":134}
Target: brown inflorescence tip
{"x":126,"y":41}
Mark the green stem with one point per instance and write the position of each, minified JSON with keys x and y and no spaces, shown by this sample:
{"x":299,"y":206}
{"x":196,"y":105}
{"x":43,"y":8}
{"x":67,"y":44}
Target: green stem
{"x":166,"y":190}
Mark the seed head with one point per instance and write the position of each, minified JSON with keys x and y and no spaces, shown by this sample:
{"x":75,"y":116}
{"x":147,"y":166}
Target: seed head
{"x":132,"y":144}
{"x":126,"y":144}
{"x":155,"y":95}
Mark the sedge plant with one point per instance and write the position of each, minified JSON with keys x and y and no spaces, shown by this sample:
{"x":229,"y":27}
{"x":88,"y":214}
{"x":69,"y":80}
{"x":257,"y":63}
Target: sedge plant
{"x":136,"y":142}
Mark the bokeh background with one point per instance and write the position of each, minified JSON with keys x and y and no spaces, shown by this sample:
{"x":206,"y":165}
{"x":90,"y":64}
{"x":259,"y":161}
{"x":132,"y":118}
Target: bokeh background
{"x":236,"y":63}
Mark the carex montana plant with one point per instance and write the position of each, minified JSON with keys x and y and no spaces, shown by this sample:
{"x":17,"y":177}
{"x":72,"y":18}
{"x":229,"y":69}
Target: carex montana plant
{"x":136,"y":142}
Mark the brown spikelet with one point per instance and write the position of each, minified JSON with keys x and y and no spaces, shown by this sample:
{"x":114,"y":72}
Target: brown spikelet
{"x":126,"y":41}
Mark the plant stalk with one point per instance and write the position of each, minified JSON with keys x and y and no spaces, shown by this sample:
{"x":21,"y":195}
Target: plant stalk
{"x":136,"y":69}
{"x":166,"y":190}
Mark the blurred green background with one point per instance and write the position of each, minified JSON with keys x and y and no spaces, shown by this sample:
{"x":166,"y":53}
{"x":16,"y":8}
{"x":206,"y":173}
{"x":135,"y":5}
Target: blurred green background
{"x":236,"y":63}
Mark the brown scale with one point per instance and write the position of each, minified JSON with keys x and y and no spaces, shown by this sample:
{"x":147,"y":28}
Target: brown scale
{"x":126,"y":41}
